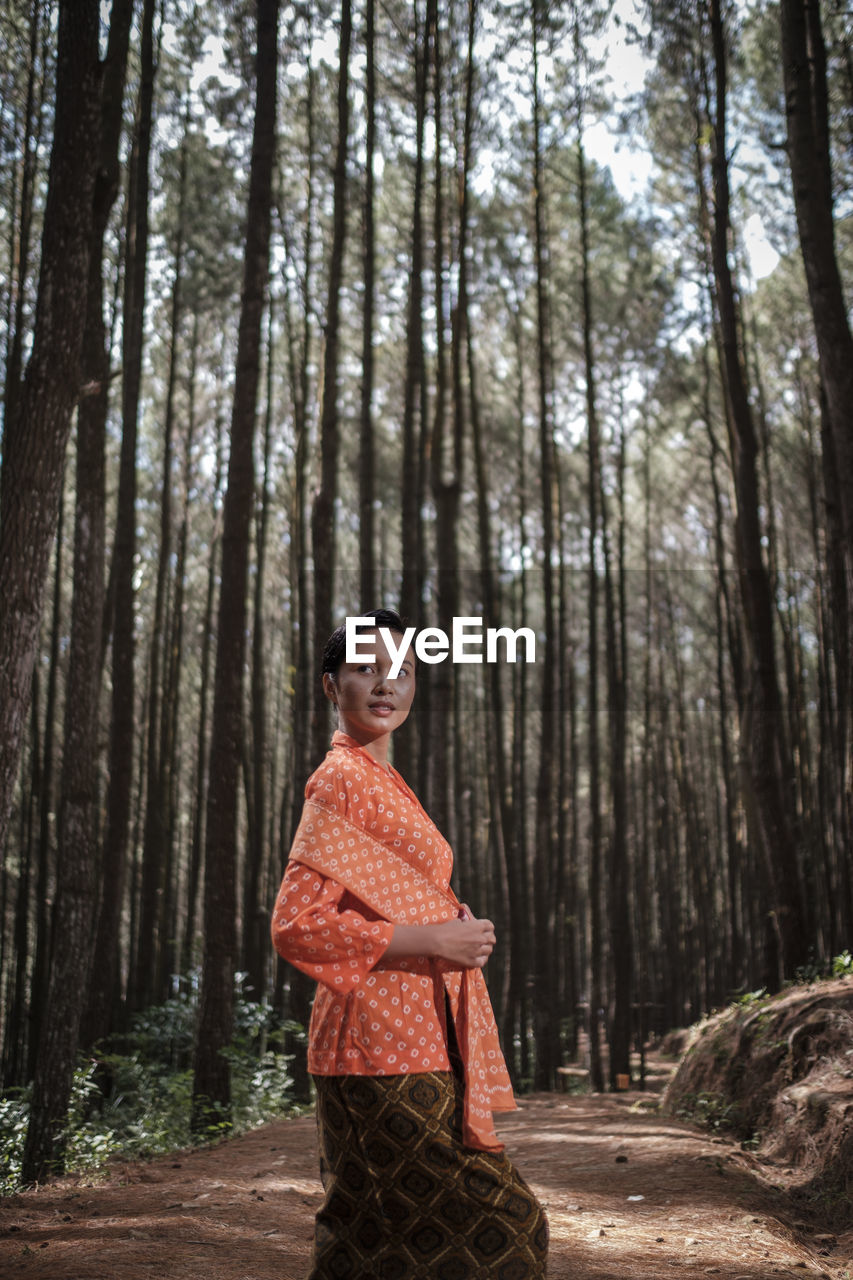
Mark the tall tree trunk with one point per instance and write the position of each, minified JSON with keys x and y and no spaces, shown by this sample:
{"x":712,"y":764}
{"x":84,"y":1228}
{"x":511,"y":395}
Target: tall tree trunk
{"x":323,"y":513}
{"x":411,"y":496}
{"x":366,"y":465}
{"x":729,"y":632}
{"x":462,"y":405}
{"x":300,"y":988}
{"x":666,"y":886}
{"x":255,"y":909}
{"x":838,"y":702}
{"x":299,"y":334}
{"x":35,"y":438}
{"x":768,"y":766}
{"x":546,"y":1034}
{"x":511,"y":889}
{"x":150,"y":987}
{"x":722,"y":612}
{"x":34,"y":451}
{"x":807,"y":109}
{"x":522,"y":922}
{"x":565,"y":864}
{"x":20,"y":236}
{"x":79,"y":791}
{"x":644,"y":859}
{"x":79,"y":780}
{"x":105,"y":969}
{"x":177,"y":920}
{"x":445,"y":471}
{"x":207,"y":638}
{"x":804,"y":67}
{"x":514,"y":898}
{"x":568,"y":817}
{"x":13,"y":1054}
{"x":618,"y":906}
{"x":211,"y":1082}
{"x":42,"y":947}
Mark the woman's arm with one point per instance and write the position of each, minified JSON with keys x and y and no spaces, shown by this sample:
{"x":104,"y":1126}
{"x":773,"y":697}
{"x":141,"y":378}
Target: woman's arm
{"x":310,"y":930}
{"x":464,"y":944}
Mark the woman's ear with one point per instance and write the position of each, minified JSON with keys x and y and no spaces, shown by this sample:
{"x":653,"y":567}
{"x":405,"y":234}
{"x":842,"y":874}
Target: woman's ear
{"x":329,"y":687}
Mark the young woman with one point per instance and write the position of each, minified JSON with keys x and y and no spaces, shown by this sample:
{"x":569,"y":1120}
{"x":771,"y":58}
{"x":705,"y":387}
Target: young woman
{"x":403,"y":1047}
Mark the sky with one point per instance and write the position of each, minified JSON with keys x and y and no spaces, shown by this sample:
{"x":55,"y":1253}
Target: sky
{"x":629,"y":160}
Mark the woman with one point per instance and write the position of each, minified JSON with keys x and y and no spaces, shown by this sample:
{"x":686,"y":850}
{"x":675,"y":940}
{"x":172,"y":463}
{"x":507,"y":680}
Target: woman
{"x":403,"y":1046}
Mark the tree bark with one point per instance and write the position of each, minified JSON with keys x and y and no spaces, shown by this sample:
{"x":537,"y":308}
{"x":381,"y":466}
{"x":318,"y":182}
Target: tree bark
{"x":300,"y":355}
{"x":807,"y":110}
{"x":202,"y":746}
{"x":618,"y":906}
{"x":255,"y":908}
{"x":20,"y":237}
{"x":412,"y":478}
{"x":522,"y":922}
{"x":804,"y":67}
{"x":838,"y":645}
{"x":178,"y":920}
{"x":445,"y":469}
{"x":211,"y":1081}
{"x":79,"y":793}
{"x":546,"y":1035}
{"x":323,"y":513}
{"x":41,"y":957}
{"x":514,"y":904}
{"x":366,"y":466}
{"x":767,"y":763}
{"x":151,"y":984}
{"x":91,"y":448}
{"x":105,"y":969}
{"x":13,"y":1054}
{"x":34,"y":451}
{"x":36,"y":436}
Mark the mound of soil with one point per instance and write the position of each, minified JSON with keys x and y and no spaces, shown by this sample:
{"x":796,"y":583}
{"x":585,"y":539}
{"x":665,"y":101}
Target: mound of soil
{"x":777,"y":1072}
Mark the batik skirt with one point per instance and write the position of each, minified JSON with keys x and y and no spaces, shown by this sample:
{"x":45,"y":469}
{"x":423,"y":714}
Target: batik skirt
{"x":405,"y":1200}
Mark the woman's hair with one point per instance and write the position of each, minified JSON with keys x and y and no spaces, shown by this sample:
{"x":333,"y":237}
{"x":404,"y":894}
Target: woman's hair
{"x":335,"y":650}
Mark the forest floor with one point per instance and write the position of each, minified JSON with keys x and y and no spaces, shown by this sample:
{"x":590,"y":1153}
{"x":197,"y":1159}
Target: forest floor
{"x":630,"y":1196}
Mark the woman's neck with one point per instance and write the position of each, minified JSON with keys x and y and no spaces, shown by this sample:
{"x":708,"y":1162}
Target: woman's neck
{"x":376,"y":747}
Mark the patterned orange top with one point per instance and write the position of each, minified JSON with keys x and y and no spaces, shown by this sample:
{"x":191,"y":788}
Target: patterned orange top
{"x":365,"y":857}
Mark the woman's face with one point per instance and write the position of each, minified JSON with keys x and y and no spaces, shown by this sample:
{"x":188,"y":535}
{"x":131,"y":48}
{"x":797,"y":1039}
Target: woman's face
{"x":370,"y":704}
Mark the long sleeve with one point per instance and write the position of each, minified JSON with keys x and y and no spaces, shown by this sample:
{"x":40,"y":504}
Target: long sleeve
{"x":370,"y":1016}
{"x":332,"y":943}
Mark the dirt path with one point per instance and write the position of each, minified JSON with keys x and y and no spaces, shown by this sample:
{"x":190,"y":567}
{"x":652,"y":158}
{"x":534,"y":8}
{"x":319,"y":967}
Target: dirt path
{"x":629,"y":1195}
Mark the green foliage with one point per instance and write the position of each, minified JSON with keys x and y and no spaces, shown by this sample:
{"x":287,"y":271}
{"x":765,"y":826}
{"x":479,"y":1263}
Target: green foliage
{"x":134,"y":1099}
{"x":812,"y":972}
{"x":13,"y":1130}
{"x":90,"y":1142}
{"x":750,"y":998}
{"x":840,"y":966}
{"x":710,"y":1110}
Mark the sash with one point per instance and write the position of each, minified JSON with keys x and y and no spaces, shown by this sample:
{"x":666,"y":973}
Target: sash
{"x":401,"y":893}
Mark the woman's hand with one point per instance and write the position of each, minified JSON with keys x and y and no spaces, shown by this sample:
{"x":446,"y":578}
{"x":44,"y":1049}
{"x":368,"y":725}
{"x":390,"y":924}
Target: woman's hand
{"x":465,"y":943}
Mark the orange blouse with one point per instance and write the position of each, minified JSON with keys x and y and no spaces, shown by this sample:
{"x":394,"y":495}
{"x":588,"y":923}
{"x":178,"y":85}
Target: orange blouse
{"x":371,"y":1016}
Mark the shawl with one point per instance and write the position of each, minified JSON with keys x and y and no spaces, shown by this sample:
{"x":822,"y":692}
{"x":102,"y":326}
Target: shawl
{"x":385,"y":880}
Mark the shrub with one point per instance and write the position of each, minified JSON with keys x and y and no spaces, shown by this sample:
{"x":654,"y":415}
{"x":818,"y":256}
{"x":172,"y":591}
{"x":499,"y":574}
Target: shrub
{"x":133,"y":1098}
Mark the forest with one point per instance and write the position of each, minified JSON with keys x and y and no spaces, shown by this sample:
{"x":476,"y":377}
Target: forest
{"x":522,"y":312}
